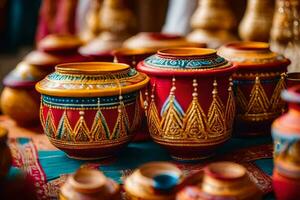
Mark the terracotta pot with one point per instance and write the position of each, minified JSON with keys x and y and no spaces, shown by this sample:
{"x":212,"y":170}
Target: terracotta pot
{"x":222,"y":180}
{"x":153,"y":181}
{"x":91,"y":110}
{"x":293,"y":79}
{"x":156,"y":41}
{"x":5,"y":155}
{"x":19,"y":84}
{"x":89,"y":184}
{"x":258,"y":82}
{"x":191,"y":105}
{"x":257,"y":21}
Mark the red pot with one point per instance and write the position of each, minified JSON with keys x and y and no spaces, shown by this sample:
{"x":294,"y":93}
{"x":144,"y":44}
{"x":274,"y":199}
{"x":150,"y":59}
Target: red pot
{"x":258,"y":82}
{"x":190,"y":104}
{"x":293,"y":79}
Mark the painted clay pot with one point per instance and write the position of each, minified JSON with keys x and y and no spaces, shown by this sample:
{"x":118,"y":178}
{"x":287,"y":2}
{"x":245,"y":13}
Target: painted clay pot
{"x":190,"y":104}
{"x":19,"y":85}
{"x":292,"y":79}
{"x":91,"y":110}
{"x":89,"y":184}
{"x":156,"y":41}
{"x":153,"y":181}
{"x":259,"y":79}
{"x":132,"y":57}
{"x":5,"y":155}
{"x":222,"y":180}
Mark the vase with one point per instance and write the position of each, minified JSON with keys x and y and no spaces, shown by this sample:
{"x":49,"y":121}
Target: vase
{"x":257,"y":21}
{"x":286,"y":136}
{"x":153,"y":181}
{"x":89,"y":184}
{"x":286,"y":30}
{"x":190,"y":103}
{"x":221,"y":180}
{"x":118,"y":24}
{"x":155,"y":41}
{"x":5,"y":155}
{"x":91,"y":110}
{"x":206,"y":23}
{"x":258,"y":81}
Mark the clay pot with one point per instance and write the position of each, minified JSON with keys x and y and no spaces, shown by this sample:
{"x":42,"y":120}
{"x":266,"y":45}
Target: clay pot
{"x":5,"y":155}
{"x":222,"y":180}
{"x":257,"y":21}
{"x":89,"y":184}
{"x":155,"y":41}
{"x":190,"y":104}
{"x":153,"y":181}
{"x":259,"y":79}
{"x":293,"y":79}
{"x":91,"y":110}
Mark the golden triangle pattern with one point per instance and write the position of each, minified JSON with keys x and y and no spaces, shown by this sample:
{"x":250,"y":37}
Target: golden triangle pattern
{"x":259,"y":103}
{"x":81,"y":133}
{"x":193,"y":124}
{"x":137,"y":119}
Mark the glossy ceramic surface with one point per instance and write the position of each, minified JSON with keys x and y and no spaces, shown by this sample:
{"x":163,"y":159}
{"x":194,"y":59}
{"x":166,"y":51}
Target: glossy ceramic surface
{"x":91,"y":110}
{"x":153,"y":181}
{"x":259,"y":79}
{"x":89,"y":184}
{"x":190,"y":104}
{"x":222,"y":180}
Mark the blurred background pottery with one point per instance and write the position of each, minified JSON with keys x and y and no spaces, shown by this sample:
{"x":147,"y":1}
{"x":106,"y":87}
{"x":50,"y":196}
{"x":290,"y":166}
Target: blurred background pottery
{"x":155,"y":41}
{"x":259,"y":79}
{"x":89,"y":184}
{"x":190,"y":103}
{"x":153,"y":181}
{"x":222,"y":180}
{"x":257,"y":21}
{"x":5,"y":155}
{"x":293,"y":79}
{"x":91,"y":110}
{"x":209,"y":25}
{"x":117,"y":24}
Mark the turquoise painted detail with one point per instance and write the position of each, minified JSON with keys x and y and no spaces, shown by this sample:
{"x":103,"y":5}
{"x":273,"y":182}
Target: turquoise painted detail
{"x":87,"y":102}
{"x":99,"y":119}
{"x":200,"y":63}
{"x":165,"y":182}
{"x":282,"y":142}
{"x":167,"y":104}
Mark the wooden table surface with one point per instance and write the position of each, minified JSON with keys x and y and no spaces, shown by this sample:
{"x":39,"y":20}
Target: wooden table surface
{"x":36,"y":133}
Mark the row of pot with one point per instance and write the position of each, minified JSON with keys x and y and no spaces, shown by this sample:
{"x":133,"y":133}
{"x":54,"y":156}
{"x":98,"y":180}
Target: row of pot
{"x":164,"y":181}
{"x":91,"y":110}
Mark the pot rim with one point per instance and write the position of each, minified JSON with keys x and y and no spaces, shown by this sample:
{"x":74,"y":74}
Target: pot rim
{"x":291,"y":94}
{"x":99,"y":68}
{"x":293,"y":76}
{"x":133,"y":51}
{"x":187,"y":53}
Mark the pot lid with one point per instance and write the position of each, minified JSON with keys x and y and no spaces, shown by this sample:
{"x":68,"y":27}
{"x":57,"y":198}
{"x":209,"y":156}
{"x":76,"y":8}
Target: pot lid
{"x":56,"y":42}
{"x":158,"y":41}
{"x":24,"y":75}
{"x":247,"y":54}
{"x":92,"y":79}
{"x":185,"y":62}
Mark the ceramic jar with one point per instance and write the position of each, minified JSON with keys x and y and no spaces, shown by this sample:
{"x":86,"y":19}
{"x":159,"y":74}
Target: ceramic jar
{"x":212,"y":23}
{"x":257,"y":21}
{"x":190,"y":103}
{"x":286,"y":136}
{"x":89,"y":184}
{"x":90,"y":110}
{"x":153,"y":181}
{"x":155,"y":41}
{"x":5,"y":155}
{"x":222,"y":180}
{"x":259,"y":79}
